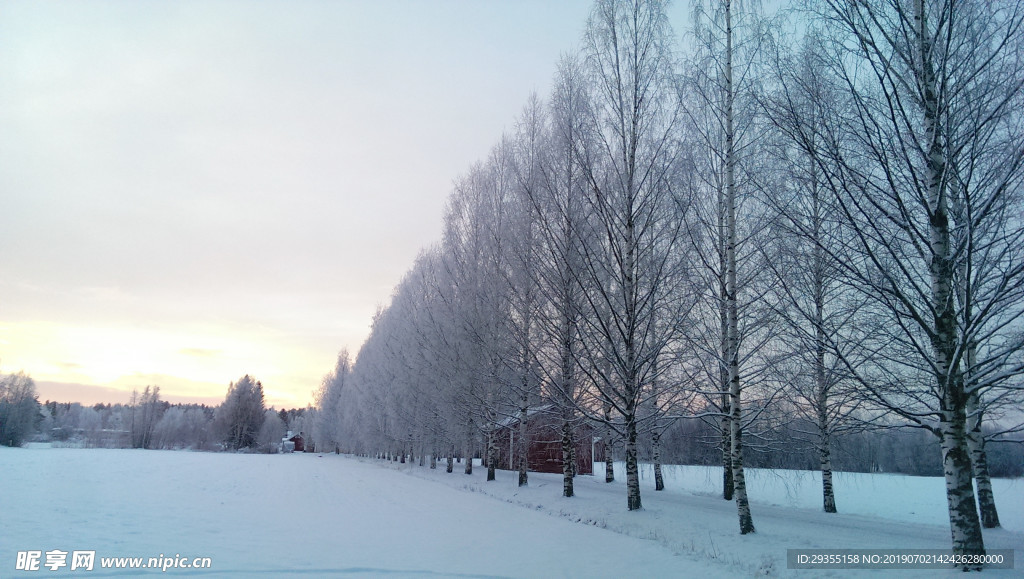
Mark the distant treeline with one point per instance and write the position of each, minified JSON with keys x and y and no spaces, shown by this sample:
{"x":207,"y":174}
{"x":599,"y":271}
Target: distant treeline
{"x":168,"y":426}
{"x":904,"y":451}
{"x":241,"y":423}
{"x":149,"y":422}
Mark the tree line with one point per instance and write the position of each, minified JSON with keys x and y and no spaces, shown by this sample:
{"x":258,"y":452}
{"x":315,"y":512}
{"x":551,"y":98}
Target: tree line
{"x":807,"y":220}
{"x":241,"y":423}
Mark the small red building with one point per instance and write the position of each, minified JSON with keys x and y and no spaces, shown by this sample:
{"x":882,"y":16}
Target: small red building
{"x":544,"y":454}
{"x":299,"y":441}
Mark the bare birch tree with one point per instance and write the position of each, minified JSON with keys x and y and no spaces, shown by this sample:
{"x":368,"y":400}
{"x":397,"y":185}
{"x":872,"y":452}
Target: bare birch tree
{"x":630,"y":177}
{"x":559,"y":208}
{"x":822,"y":326}
{"x":930,"y":94}
{"x":721,"y":123}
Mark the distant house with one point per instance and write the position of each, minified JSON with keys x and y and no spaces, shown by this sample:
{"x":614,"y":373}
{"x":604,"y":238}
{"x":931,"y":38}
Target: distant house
{"x":300,"y":442}
{"x":544,"y":454}
{"x":293,"y":443}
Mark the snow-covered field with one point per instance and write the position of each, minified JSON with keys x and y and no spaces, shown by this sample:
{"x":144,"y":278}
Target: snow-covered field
{"x":307,"y":515}
{"x":897,"y":497}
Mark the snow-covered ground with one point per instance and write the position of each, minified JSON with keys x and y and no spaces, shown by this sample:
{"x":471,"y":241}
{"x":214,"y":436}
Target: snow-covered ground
{"x":912,"y":499}
{"x":307,"y":515}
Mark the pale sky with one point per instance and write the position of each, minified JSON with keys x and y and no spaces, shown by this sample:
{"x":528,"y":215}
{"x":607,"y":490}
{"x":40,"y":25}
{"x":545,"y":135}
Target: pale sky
{"x":193,"y":191}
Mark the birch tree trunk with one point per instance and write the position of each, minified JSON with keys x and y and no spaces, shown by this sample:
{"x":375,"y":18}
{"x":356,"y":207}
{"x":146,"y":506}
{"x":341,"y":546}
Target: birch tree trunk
{"x":731,"y":304}
{"x":523,"y":444}
{"x":659,"y":482}
{"x":966,"y":528}
{"x":568,"y":389}
{"x":632,"y":386}
{"x":726,"y":429}
{"x":632,"y":468}
{"x":963,"y":513}
{"x":609,"y":461}
{"x":979,"y":460}
{"x":739,"y":480}
{"x":975,"y":436}
{"x":491,"y":453}
{"x":567,"y":459}
{"x":820,"y":383}
{"x":728,"y":486}
{"x":825,"y":456}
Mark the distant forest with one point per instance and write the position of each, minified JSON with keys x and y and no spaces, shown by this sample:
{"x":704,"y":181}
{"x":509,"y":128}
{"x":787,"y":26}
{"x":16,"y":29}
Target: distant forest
{"x":193,"y":427}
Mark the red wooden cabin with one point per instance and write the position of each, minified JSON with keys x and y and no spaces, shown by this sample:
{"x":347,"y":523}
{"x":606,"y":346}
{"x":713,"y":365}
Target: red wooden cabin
{"x":300,"y":442}
{"x":544,"y":454}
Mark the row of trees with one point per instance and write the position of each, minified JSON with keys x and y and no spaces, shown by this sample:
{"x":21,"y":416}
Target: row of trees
{"x":825,"y":221}
{"x":241,"y":422}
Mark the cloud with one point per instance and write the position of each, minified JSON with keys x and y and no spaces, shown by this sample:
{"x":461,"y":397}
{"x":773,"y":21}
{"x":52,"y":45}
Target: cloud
{"x":170,"y":385}
{"x":172,"y":389}
{"x":201,"y":352}
{"x":120,"y":391}
{"x":86,"y":394}
{"x":89,"y":394}
{"x":178,"y":389}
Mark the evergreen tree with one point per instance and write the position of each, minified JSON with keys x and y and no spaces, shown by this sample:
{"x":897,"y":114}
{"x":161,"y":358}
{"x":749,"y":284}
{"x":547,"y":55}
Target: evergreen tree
{"x":240,"y":417}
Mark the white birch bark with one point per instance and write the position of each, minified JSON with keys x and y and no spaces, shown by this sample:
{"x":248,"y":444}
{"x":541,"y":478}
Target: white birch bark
{"x":966,"y":528}
{"x":659,"y":480}
{"x":731,"y":304}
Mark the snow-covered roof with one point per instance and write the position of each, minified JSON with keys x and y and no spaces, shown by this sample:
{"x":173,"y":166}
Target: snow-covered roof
{"x":529,"y":412}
